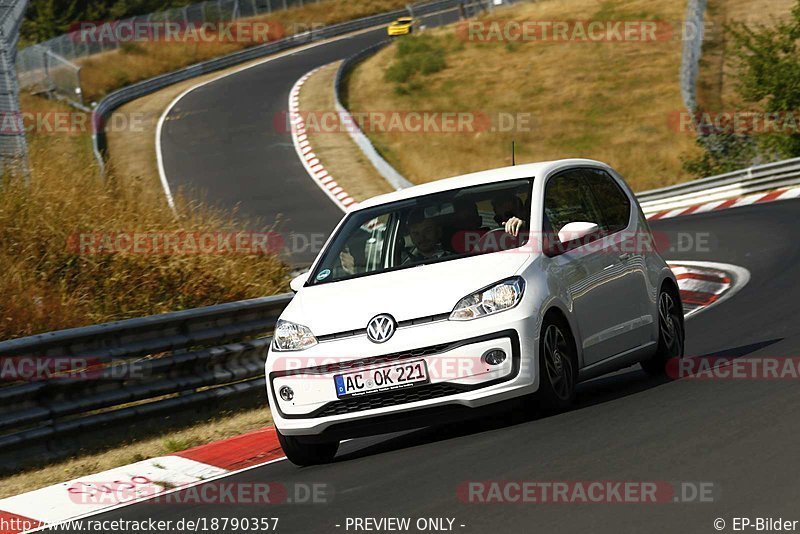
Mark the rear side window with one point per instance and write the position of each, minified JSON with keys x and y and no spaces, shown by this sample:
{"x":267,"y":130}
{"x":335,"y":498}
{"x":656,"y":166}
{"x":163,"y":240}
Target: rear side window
{"x":611,"y":200}
{"x":586,"y":195}
{"x":568,"y":199}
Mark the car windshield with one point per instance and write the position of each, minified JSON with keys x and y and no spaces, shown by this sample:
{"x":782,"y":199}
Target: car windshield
{"x":424,"y":230}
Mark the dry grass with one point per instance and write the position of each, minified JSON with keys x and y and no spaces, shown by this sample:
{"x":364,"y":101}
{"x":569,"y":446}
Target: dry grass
{"x":105,"y":72}
{"x":333,"y":146}
{"x":47,"y":285}
{"x":717,"y":84}
{"x":609,"y":101}
{"x":224,"y":426}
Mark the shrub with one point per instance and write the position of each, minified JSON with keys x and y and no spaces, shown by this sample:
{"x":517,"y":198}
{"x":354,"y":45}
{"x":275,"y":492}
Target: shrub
{"x":417,"y":55}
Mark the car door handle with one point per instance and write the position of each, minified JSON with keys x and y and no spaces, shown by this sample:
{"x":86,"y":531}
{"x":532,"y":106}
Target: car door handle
{"x":625,"y":257}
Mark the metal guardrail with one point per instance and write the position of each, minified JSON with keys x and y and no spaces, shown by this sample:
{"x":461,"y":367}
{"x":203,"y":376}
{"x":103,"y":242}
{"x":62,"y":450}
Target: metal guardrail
{"x":724,"y":186}
{"x":122,"y":96}
{"x":60,"y":391}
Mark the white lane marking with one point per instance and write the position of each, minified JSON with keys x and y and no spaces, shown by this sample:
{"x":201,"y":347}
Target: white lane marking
{"x":151,"y":497}
{"x":96,"y":493}
{"x":746,"y":201}
{"x":674,"y":213}
{"x":708,"y":206}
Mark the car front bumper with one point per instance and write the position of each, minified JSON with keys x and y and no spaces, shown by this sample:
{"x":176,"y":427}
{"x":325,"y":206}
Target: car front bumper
{"x":459,"y":378}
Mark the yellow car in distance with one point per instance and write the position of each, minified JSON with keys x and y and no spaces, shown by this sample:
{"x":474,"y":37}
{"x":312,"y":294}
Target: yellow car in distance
{"x":402,"y":26}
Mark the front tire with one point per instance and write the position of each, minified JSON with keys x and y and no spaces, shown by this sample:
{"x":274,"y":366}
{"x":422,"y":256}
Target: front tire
{"x":558,"y":367}
{"x":303,"y":453}
{"x":670,"y":334}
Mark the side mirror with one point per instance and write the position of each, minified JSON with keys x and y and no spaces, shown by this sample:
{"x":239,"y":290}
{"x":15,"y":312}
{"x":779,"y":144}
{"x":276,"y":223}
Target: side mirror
{"x":575,"y":231}
{"x":299,"y":281}
{"x":571,"y":236}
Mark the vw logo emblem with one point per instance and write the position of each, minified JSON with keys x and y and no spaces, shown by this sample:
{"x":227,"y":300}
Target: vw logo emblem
{"x":380,"y":328}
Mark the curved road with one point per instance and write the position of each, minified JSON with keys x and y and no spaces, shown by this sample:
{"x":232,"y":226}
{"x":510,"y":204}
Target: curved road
{"x":738,"y":435}
{"x":227,"y":142}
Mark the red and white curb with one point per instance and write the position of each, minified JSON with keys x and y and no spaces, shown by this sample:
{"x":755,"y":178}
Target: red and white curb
{"x":721,"y":204}
{"x":705,"y":284}
{"x":306,"y":154}
{"x":141,"y":481}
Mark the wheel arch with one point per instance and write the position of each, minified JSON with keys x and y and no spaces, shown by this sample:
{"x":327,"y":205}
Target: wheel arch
{"x":559,"y":312}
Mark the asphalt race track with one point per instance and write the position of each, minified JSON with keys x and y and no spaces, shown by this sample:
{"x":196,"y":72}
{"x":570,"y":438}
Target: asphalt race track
{"x":225,"y":142}
{"x":738,"y":435}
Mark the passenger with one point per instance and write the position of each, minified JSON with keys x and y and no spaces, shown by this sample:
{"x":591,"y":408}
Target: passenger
{"x":426,"y":235}
{"x":352,"y":258}
{"x":465,"y":228}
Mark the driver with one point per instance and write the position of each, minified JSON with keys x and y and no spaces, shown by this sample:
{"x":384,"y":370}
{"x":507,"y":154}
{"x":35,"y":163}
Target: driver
{"x":509,"y":212}
{"x":426,"y":235}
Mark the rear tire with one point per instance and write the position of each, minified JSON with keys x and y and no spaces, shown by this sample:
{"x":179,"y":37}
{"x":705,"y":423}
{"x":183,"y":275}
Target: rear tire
{"x":558,"y":367}
{"x":670,"y":333}
{"x":302,"y":453}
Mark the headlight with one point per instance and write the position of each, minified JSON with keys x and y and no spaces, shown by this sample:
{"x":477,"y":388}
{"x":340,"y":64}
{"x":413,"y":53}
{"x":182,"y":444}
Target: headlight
{"x":291,"y":336}
{"x":503,"y":296}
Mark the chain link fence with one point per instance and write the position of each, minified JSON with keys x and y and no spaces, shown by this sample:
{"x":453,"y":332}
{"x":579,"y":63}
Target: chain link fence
{"x":13,"y":147}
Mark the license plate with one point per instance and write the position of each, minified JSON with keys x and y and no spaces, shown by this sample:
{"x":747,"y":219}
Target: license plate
{"x":380,"y":379}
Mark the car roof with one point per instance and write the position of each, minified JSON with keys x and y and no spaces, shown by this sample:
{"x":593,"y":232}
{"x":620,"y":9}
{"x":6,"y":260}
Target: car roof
{"x":530,"y":170}
{"x":404,"y":19}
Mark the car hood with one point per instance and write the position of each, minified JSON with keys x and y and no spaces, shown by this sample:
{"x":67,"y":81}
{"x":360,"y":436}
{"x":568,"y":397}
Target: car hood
{"x":405,"y":294}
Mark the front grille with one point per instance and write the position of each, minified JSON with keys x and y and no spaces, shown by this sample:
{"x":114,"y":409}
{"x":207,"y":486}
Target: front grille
{"x":337,"y":367}
{"x":400,"y":324}
{"x":383,"y":400}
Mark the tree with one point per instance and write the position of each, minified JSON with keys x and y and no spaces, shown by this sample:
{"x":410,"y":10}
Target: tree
{"x":767,"y":59}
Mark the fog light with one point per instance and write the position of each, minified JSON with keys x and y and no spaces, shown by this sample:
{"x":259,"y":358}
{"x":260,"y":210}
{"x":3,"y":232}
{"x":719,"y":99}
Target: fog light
{"x":494,"y":356}
{"x":286,"y":393}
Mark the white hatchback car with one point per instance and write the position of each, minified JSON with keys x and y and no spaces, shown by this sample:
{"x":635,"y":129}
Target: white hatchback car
{"x":423,"y":304}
